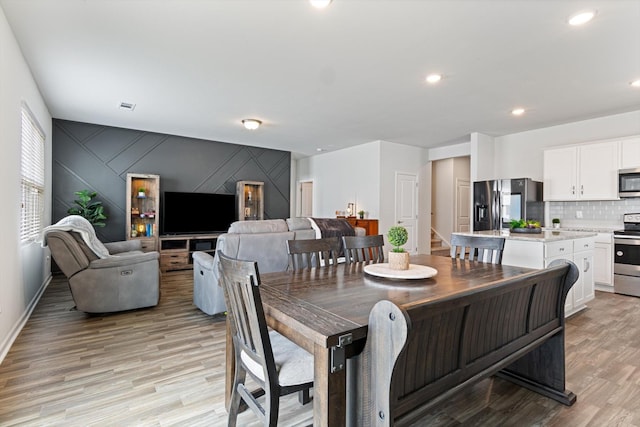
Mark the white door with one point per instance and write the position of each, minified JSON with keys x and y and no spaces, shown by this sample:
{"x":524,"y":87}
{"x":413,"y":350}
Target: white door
{"x":407,"y":207}
{"x":463,"y":206}
{"x":306,"y":199}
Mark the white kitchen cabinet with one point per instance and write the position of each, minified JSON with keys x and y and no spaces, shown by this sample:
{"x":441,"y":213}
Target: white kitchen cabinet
{"x":560,"y":173}
{"x":603,"y":262}
{"x":539,"y":254}
{"x":630,"y":153}
{"x":582,"y":172}
{"x":583,"y":290}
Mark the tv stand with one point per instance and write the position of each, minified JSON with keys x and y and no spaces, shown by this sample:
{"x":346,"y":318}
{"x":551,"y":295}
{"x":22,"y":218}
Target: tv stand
{"x":176,"y":251}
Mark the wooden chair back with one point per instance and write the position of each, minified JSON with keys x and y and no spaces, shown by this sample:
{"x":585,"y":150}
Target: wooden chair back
{"x":253,"y":352}
{"x":313,"y":253}
{"x":363,"y":248}
{"x":240,"y":280}
{"x":477,"y":248}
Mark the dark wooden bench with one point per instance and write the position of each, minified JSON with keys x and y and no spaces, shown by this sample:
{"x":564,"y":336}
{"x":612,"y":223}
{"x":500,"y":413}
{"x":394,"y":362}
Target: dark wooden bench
{"x":417,"y":356}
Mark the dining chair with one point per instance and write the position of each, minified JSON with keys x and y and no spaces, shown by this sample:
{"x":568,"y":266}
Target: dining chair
{"x":477,"y":248}
{"x":313,"y":253}
{"x":277,"y":365}
{"x":363,"y":248}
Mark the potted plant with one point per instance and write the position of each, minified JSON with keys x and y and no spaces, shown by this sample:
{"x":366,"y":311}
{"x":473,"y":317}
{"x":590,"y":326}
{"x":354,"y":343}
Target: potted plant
{"x":141,"y":192}
{"x":398,"y":257}
{"x":361,"y":214}
{"x":556,"y":222}
{"x":93,"y":211}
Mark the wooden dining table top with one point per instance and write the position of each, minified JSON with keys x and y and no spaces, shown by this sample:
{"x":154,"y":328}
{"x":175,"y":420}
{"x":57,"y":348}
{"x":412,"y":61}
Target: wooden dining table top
{"x":319,"y":305}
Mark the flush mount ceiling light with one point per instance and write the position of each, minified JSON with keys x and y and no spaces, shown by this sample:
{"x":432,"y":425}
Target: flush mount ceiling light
{"x":517,"y":111}
{"x":581,"y":17}
{"x":251,"y":124}
{"x":320,"y":4}
{"x":433,"y":78}
{"x":635,"y":83}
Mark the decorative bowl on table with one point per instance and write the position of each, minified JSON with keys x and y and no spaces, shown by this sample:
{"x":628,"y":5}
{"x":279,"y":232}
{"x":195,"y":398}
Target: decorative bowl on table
{"x":525,"y":226}
{"x":531,"y":230}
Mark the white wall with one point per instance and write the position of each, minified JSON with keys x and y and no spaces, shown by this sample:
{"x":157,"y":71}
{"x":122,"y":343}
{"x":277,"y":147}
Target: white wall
{"x":404,"y":159}
{"x":364,"y":175}
{"x":25,"y":269}
{"x":340,"y":177}
{"x":446,"y":172}
{"x":457,"y":150}
{"x":483,"y":158}
{"x":519,"y":155}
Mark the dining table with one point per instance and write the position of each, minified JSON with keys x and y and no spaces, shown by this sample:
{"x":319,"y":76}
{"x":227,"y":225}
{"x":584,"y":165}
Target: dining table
{"x":326,"y":311}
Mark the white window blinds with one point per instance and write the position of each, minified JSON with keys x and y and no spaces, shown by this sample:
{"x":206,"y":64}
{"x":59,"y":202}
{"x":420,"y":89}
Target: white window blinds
{"x":32,"y":178}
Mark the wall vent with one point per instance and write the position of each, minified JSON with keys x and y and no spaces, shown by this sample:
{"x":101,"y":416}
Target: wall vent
{"x":127,"y":106}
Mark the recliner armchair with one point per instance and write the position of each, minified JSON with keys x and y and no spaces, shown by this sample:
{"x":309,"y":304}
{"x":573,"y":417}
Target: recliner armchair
{"x":126,"y":278}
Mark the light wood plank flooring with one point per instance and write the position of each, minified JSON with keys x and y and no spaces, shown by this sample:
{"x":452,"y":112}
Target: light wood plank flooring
{"x":164,"y":366}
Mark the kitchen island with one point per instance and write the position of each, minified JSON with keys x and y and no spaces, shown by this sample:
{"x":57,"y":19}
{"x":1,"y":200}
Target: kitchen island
{"x":538,"y":250}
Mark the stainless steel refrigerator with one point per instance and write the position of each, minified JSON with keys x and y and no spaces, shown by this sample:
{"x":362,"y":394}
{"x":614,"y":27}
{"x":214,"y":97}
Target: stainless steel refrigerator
{"x":497,"y":202}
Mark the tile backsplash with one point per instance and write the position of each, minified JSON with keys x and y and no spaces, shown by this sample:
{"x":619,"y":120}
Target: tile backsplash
{"x":592,"y":213}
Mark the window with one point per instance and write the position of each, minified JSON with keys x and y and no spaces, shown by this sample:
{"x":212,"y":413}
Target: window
{"x":32,"y":178}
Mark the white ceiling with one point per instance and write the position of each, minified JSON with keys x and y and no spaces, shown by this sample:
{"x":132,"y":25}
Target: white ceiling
{"x":334,"y":78}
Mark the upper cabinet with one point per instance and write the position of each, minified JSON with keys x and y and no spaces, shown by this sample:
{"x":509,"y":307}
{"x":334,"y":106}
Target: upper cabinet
{"x":630,"y":153}
{"x":250,"y":198}
{"x":583,"y":172}
{"x":143,"y":191}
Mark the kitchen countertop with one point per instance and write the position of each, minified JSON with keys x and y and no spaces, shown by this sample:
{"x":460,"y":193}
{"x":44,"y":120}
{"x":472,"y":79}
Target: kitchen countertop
{"x":546,"y":235}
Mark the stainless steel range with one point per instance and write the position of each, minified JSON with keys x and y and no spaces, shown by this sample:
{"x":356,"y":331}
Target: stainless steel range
{"x":626,"y":265}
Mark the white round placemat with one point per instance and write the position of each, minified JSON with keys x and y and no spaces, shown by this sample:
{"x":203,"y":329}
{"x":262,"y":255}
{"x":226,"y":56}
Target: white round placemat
{"x":414,"y":271}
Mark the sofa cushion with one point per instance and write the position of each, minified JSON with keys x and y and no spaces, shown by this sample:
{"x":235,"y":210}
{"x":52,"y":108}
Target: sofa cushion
{"x":263,"y":226}
{"x":296,"y":224}
{"x":268,"y":249}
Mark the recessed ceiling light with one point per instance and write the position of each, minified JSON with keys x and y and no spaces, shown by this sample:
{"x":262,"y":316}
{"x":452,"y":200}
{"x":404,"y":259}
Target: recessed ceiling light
{"x":251,"y":124}
{"x":582,"y":17}
{"x":517,"y":111}
{"x":320,"y":4}
{"x":433,"y":78}
{"x":635,"y":83}
{"x":127,"y":106}
{"x":319,"y":150}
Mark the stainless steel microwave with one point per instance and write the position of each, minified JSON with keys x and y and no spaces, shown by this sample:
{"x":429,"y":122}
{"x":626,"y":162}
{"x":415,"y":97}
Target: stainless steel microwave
{"x":629,"y":182}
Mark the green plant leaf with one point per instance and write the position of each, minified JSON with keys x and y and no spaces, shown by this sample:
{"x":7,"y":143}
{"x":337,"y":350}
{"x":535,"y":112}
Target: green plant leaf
{"x":88,"y":208}
{"x":398,"y":236}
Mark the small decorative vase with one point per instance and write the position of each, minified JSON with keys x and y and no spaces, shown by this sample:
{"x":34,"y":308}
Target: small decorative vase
{"x":556,"y":225}
{"x":399,"y":260}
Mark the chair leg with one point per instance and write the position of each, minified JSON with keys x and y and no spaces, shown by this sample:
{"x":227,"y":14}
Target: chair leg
{"x":272,"y":403}
{"x":303,"y":396}
{"x":234,"y":406}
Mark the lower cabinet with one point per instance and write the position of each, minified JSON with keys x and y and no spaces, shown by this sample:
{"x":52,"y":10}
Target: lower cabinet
{"x":176,"y":252}
{"x":538,"y":254}
{"x":370,"y":225}
{"x":583,"y":290}
{"x":603,"y":262}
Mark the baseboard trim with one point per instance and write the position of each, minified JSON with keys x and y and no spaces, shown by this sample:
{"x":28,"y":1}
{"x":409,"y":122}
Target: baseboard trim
{"x":17,"y":328}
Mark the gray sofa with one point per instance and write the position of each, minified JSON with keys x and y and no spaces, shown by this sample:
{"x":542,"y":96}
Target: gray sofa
{"x":261,"y":241}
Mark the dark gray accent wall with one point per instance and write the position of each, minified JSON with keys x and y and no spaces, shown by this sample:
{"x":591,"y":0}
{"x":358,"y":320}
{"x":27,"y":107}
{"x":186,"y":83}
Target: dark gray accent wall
{"x":99,"y":157}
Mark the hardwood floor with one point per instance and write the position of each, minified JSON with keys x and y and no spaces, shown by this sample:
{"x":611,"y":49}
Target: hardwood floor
{"x":164,"y":366}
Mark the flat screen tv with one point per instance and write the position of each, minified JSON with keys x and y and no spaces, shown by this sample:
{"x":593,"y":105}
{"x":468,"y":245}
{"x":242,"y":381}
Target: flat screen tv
{"x":196,"y":213}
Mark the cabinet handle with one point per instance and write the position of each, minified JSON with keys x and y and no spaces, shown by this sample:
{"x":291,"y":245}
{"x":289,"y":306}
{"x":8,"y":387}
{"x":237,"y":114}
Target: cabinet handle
{"x":587,"y":265}
{"x":581,"y":189}
{"x":561,"y":249}
{"x":573,"y":189}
